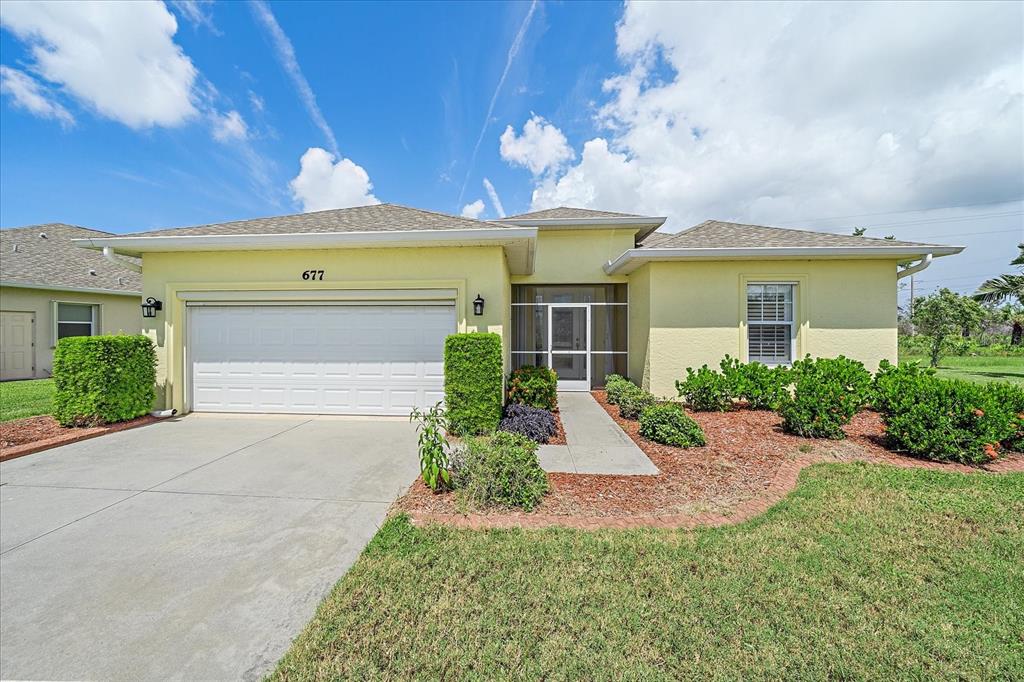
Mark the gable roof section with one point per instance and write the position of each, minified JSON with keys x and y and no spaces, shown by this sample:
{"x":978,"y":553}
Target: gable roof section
{"x":54,"y":262}
{"x":565,"y":212}
{"x":717,"y":240}
{"x":375,"y":218}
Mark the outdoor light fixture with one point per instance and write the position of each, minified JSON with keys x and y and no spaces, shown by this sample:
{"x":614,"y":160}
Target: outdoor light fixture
{"x":478,"y":305}
{"x":150,"y":307}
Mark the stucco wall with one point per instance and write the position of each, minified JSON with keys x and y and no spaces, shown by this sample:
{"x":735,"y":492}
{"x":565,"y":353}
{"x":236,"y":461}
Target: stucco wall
{"x":117,"y":314}
{"x":576,"y":256}
{"x":639,"y":324}
{"x":470,"y":270}
{"x":697,"y":313}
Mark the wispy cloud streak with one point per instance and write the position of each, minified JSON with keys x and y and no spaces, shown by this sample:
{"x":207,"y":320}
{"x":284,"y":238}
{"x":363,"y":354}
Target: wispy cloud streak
{"x":286,"y":55}
{"x":495,"y":199}
{"x":513,"y":50}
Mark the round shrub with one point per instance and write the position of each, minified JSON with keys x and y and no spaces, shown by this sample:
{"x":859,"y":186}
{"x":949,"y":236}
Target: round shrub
{"x":761,"y":386}
{"x":894,"y":383}
{"x":668,"y":424}
{"x":536,"y":424}
{"x":1010,"y":400}
{"x":500,"y":470}
{"x":827,"y":393}
{"x":705,"y":390}
{"x":534,"y":386}
{"x":614,"y":385}
{"x":103,"y":379}
{"x":633,"y":401}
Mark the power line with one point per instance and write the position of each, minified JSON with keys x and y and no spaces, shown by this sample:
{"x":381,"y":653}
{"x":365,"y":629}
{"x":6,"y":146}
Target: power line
{"x":967,"y":234}
{"x":933,"y":221}
{"x":910,"y":210}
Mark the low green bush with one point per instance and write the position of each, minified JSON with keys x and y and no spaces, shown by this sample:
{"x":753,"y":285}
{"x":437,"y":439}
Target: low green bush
{"x":535,"y":387}
{"x":827,"y":393}
{"x":666,"y":423}
{"x":705,"y":390}
{"x":1010,"y":400}
{"x":761,"y":386}
{"x":614,"y":385}
{"x":103,"y":379}
{"x":891,"y":382}
{"x":633,"y":401}
{"x":500,"y":470}
{"x":472,"y":382}
{"x":950,"y":420}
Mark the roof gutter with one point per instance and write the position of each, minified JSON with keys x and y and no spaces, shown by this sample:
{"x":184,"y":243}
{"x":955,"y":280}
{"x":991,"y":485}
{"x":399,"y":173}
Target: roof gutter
{"x":913,"y":269}
{"x":58,"y":287}
{"x":108,"y":253}
{"x":631,"y":259}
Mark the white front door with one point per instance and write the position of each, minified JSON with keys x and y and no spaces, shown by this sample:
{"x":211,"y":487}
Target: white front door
{"x":17,"y":352}
{"x":318,"y":359}
{"x":569,"y":345}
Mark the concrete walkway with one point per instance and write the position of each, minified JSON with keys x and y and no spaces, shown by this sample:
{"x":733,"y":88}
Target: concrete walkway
{"x":595,"y":444}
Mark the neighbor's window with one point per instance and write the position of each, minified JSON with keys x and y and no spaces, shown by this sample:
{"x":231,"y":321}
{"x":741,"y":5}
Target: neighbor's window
{"x":75,"y":319}
{"x":770,"y":330}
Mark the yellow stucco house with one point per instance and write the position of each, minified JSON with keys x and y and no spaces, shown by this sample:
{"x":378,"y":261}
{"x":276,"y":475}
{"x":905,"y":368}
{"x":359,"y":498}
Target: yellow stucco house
{"x":345,"y":311}
{"x":49,"y":289}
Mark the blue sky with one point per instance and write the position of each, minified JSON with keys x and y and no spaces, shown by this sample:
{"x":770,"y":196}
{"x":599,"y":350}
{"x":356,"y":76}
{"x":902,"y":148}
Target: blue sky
{"x":904,"y":118}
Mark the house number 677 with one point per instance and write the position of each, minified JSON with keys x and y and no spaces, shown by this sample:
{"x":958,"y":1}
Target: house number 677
{"x":313,"y":274}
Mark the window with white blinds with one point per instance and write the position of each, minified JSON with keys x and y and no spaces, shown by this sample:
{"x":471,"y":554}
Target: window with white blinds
{"x":770,"y":330}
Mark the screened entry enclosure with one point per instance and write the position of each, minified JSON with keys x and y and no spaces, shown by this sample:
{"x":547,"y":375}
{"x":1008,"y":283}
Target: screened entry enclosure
{"x":580,"y":331}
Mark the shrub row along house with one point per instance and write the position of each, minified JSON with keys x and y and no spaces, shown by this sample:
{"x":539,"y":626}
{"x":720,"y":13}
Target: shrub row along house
{"x":346,"y":311}
{"x":50,"y":289}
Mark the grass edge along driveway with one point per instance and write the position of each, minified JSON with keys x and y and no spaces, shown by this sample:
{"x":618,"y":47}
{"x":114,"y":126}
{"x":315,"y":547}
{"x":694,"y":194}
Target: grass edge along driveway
{"x":864,"y":571}
{"x":28,"y":398}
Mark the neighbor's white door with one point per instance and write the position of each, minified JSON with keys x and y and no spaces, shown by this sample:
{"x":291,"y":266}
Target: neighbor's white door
{"x":17,"y":336}
{"x":322,"y":359}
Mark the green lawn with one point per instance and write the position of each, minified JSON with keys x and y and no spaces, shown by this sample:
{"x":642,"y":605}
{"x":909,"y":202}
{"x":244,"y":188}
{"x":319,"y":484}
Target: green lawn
{"x":862,"y":572}
{"x":977,"y":368}
{"x":25,"y":398}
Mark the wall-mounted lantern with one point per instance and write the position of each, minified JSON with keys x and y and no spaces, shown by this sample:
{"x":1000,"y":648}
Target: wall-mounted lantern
{"x":151,"y":306}
{"x":478,"y":305}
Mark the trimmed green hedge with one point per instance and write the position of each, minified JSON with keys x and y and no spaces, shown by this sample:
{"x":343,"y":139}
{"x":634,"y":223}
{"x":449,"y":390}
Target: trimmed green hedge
{"x":473,"y":382}
{"x":103,"y":379}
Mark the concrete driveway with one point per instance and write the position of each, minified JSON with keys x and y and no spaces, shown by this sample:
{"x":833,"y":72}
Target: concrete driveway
{"x":190,"y":549}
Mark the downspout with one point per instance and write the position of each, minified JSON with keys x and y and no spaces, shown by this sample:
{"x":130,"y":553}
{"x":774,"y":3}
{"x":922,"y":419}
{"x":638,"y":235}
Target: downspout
{"x":914,"y":269}
{"x":108,"y":253}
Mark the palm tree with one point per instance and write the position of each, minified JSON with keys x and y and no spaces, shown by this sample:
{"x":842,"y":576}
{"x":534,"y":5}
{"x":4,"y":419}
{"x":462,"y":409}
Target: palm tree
{"x":998,"y":289}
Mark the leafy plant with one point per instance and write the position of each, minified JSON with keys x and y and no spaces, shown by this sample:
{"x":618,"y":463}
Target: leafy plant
{"x":633,"y":400}
{"x":615,"y":385}
{"x":1005,"y":287}
{"x":705,"y":390}
{"x":501,"y":470}
{"x":892,"y":382}
{"x":666,"y":423}
{"x":472,"y":382}
{"x":433,"y":447}
{"x":944,"y":315}
{"x":536,"y":424}
{"x":762,"y":387}
{"x":1010,"y":401}
{"x":534,"y":386}
{"x":103,"y":379}
{"x":827,"y":393}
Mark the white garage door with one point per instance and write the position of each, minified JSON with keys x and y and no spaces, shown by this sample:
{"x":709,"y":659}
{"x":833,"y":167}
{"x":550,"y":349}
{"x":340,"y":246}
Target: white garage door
{"x":322,"y":359}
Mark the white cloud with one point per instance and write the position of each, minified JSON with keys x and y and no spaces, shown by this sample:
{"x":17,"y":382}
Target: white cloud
{"x":772,"y":113}
{"x":540,"y":148}
{"x":473,"y":210}
{"x":495,"y":199}
{"x":194,"y":11}
{"x":119,"y":58}
{"x":286,"y":55}
{"x":323,"y":183}
{"x":229,"y":126}
{"x":30,"y":95}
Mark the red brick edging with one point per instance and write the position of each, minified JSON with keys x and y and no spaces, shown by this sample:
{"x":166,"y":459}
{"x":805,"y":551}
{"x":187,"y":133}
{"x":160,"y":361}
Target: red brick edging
{"x":783,"y":483}
{"x":73,"y":436}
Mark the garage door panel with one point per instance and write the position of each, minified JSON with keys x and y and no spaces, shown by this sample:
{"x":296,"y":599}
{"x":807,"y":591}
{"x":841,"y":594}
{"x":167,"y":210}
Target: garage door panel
{"x":318,"y":359}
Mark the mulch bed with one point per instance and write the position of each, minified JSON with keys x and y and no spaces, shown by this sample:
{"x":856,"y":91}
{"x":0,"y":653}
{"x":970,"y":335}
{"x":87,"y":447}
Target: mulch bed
{"x":559,"y":437}
{"x":34,"y":434}
{"x":747,"y":465}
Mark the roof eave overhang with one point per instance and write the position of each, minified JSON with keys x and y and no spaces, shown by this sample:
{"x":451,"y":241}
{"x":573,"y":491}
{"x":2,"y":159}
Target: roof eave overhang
{"x":57,"y":287}
{"x":632,"y":259}
{"x":642,"y":225}
{"x":519,"y":243}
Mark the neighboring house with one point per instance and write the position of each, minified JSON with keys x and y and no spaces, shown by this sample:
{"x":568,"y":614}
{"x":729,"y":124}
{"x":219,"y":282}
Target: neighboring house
{"x":345,"y":311}
{"x":50,"y":289}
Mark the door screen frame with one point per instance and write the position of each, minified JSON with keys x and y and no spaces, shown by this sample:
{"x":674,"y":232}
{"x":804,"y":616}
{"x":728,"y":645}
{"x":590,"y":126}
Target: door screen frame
{"x":570,"y":384}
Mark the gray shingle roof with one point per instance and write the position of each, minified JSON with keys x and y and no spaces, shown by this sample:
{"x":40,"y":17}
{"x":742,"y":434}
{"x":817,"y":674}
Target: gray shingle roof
{"x":56,"y":262}
{"x":376,"y":218}
{"x":568,"y":212}
{"x":713,"y":234}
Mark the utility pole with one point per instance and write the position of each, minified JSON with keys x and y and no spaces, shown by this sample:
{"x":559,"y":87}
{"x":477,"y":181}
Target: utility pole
{"x":911,"y":295}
